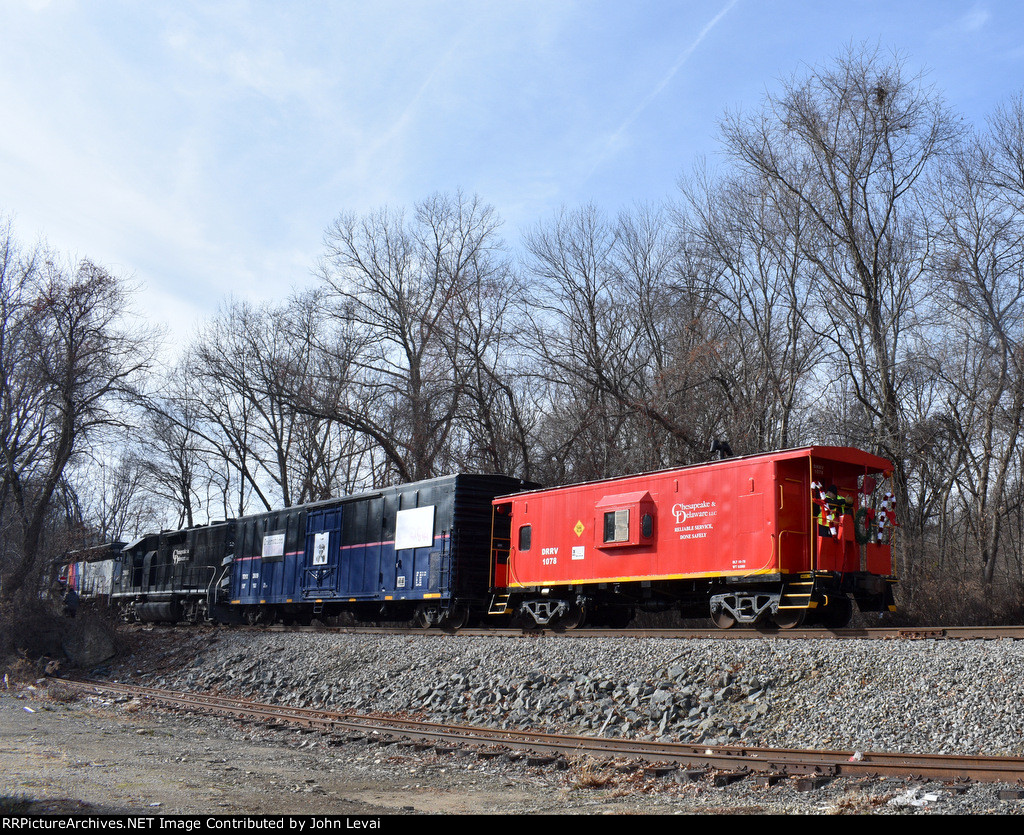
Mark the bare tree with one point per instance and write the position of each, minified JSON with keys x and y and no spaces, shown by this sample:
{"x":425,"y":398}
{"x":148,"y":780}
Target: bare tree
{"x":749,"y":236}
{"x":495,"y":419}
{"x":979,"y":275}
{"x":172,"y":451}
{"x":851,"y":142}
{"x":626,"y":333}
{"x":402,"y":289}
{"x":327,"y":456}
{"x":69,"y":359}
{"x":248,"y":366}
{"x":228,"y":389}
{"x":110,"y":497}
{"x":1004,"y":160}
{"x":580,"y":340}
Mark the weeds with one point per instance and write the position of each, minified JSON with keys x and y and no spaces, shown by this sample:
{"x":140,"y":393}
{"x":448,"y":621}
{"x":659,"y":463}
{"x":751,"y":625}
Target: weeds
{"x":587,"y":774}
{"x":61,"y":693}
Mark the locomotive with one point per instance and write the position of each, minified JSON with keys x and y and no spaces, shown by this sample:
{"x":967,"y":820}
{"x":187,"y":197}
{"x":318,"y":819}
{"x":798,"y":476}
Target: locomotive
{"x":89,"y":571}
{"x":781,"y":539}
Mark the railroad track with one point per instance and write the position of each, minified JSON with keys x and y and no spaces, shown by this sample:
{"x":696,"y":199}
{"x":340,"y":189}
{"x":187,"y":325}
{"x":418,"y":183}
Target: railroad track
{"x":725,"y":762}
{"x":965,"y":633}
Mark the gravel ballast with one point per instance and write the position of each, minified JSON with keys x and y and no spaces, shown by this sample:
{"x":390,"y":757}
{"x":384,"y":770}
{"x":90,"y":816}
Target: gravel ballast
{"x":947,"y":697}
{"x":121,"y":755}
{"x":914,"y":696}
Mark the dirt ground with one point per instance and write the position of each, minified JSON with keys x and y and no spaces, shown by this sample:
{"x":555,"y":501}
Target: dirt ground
{"x":98,"y":756}
{"x":63,"y":752}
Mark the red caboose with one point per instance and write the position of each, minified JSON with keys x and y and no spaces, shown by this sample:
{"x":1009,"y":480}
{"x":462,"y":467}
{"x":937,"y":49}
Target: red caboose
{"x":785,"y":538}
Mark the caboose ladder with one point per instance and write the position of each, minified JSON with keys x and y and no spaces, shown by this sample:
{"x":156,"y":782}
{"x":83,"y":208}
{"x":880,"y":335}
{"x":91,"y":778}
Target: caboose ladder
{"x":796,"y":594}
{"x":499,"y":604}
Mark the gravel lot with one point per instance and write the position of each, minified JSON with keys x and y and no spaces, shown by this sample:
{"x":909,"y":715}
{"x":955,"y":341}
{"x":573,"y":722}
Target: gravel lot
{"x":913,"y":696}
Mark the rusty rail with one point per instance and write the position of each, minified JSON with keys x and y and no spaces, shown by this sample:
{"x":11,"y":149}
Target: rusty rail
{"x":734,"y":759}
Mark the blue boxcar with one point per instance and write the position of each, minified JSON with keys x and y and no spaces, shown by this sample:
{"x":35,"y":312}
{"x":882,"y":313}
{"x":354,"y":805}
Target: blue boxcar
{"x":417,"y":551}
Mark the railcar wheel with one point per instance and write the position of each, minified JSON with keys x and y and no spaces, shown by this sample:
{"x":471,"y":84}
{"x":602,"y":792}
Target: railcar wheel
{"x":457,"y":617}
{"x":789,"y":618}
{"x":722,"y":619}
{"x":521,"y":620}
{"x":420,"y":618}
{"x":573,"y":619}
{"x":838,"y":612}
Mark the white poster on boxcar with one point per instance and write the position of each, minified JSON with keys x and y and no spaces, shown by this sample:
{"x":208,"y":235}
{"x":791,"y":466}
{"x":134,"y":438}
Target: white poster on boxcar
{"x":414,"y":528}
{"x":320,"y":542}
{"x":273,"y":545}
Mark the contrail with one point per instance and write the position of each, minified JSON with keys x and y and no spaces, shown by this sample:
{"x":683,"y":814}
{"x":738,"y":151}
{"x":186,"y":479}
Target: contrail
{"x":672,"y":72}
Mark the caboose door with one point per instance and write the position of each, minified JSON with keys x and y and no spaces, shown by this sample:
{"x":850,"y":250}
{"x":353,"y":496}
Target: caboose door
{"x":794,"y":518}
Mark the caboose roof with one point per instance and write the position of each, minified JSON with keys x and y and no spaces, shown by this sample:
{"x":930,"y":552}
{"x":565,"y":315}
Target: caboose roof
{"x":845,"y":455}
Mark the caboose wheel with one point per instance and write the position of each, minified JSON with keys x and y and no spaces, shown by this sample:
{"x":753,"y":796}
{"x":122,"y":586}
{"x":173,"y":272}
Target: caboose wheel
{"x":722,"y":619}
{"x":523,"y":621}
{"x":572,"y":619}
{"x":838,"y":612}
{"x":789,"y":618}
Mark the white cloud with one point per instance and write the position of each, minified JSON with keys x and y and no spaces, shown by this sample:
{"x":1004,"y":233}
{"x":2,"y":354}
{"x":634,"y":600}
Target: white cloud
{"x":204,"y":147}
{"x":976,"y":19}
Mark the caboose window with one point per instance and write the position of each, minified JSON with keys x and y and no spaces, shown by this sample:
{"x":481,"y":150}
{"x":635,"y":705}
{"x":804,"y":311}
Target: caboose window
{"x":525,"y":534}
{"x":626,"y":519}
{"x":616,"y":526}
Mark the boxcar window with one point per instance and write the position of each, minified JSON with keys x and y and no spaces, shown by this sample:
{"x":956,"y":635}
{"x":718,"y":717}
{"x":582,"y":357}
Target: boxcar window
{"x":524,"y":537}
{"x":616,"y":525}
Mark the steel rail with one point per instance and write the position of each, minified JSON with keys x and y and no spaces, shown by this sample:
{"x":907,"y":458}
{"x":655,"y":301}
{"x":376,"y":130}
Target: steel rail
{"x":966,"y":633}
{"x":735,"y":759}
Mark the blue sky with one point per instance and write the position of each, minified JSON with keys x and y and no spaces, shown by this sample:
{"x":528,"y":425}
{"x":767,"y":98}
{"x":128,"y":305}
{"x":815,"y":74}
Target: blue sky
{"x":201,"y":148}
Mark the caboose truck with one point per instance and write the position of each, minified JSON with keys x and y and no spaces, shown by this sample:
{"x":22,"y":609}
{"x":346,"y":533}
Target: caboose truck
{"x":782,"y":539}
